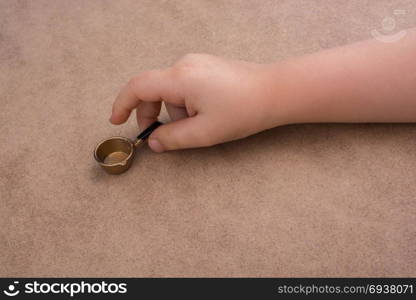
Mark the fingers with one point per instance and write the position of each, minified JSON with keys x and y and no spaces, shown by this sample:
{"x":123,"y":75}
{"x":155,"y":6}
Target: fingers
{"x":176,"y":112}
{"x":150,"y":86}
{"x":147,"y":113}
{"x":145,"y":93}
{"x":185,"y":133}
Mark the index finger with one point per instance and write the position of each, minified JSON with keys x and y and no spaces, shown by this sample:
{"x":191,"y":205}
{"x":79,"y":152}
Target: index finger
{"x":149,"y":86}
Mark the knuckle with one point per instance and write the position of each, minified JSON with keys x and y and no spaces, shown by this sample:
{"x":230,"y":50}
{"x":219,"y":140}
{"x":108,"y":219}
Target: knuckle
{"x":192,"y":57}
{"x":138,"y":79}
{"x":133,"y":82}
{"x":182,"y":72}
{"x":189,"y":66}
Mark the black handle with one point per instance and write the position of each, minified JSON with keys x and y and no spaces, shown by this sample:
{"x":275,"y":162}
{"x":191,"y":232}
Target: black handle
{"x":145,"y":133}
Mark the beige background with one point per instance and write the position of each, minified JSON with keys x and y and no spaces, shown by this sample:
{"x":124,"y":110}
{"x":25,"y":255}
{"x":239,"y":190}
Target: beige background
{"x":304,"y":200}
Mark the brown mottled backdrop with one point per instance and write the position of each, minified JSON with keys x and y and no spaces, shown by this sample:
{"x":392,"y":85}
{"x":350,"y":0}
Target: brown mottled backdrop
{"x":304,"y":200}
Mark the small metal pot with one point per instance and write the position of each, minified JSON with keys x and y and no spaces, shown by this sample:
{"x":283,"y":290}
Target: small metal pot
{"x":116,"y":154}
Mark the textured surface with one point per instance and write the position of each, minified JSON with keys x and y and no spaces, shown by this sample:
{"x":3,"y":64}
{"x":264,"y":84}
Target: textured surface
{"x":304,"y":200}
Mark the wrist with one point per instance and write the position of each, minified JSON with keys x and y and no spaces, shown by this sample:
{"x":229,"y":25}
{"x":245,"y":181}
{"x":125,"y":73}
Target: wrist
{"x":283,"y":94}
{"x":299,"y":91}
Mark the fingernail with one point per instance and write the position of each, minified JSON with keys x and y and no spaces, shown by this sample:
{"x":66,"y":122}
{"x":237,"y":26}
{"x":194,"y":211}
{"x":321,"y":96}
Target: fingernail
{"x":155,"y":145}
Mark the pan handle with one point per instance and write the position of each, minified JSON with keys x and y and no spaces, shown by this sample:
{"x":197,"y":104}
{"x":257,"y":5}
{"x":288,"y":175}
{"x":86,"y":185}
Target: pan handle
{"x":146,"y":133}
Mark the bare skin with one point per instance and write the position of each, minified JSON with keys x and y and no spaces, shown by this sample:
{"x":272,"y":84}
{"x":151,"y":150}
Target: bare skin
{"x":212,"y":100}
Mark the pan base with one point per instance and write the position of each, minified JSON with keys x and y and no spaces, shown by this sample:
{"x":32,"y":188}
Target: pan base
{"x":115,"y":157}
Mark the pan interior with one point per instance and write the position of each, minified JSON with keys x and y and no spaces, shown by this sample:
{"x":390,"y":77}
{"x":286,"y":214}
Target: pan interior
{"x":115,"y":157}
{"x":114,"y":150}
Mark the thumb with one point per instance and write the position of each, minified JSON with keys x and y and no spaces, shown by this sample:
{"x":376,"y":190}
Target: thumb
{"x":185,"y":133}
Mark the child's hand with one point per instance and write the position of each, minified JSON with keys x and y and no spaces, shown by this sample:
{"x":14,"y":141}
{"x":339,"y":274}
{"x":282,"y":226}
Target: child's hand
{"x":213,"y":100}
{"x":209,"y":99}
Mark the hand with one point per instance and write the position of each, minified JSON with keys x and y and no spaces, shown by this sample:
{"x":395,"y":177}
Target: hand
{"x":212,"y":100}
{"x":209,"y":99}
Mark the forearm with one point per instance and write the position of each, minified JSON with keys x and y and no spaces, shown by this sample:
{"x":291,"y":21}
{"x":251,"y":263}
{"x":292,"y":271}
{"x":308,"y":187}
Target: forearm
{"x":369,"y":81}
